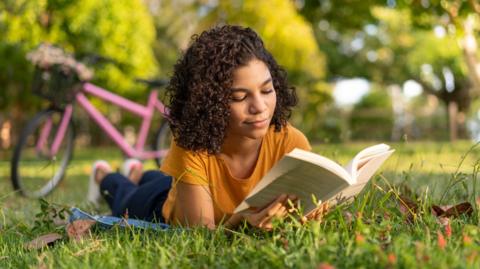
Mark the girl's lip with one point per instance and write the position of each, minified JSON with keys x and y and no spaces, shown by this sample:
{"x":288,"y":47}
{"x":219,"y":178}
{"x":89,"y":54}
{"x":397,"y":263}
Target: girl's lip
{"x":257,"y":121}
{"x":258,"y":124}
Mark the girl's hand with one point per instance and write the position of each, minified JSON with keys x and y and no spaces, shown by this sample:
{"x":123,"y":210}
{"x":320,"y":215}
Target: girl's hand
{"x":317,"y":214}
{"x":262,"y":218}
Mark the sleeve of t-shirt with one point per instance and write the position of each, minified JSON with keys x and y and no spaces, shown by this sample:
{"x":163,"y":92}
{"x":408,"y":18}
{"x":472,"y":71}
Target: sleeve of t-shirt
{"x":184,"y":165}
{"x":295,"y":139}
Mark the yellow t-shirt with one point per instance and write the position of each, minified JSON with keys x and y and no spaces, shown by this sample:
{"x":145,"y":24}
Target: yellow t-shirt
{"x":211,"y":171}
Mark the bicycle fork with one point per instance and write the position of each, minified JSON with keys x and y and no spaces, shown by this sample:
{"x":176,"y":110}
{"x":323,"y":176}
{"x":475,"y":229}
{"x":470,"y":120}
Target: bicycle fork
{"x":62,"y":129}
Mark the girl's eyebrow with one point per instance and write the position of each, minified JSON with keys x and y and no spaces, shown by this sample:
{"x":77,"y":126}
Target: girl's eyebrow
{"x":263,"y":84}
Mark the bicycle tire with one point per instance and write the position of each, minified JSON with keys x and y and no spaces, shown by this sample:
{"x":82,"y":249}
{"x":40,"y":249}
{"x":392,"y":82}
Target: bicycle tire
{"x":34,"y":173}
{"x":163,"y":138}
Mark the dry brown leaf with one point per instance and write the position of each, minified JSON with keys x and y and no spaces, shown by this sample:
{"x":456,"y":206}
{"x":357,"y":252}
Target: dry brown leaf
{"x":43,"y":241}
{"x":60,"y":221}
{"x":348,"y":217}
{"x":78,"y":229}
{"x":408,"y":208}
{"x":453,"y":211}
{"x":457,"y":210}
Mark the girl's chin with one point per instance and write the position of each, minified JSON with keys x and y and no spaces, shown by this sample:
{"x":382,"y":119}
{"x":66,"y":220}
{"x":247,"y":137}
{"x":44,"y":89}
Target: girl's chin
{"x":256,"y":133}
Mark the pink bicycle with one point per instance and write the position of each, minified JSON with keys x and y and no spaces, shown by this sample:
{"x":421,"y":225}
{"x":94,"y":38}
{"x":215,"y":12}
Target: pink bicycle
{"x":41,"y":157}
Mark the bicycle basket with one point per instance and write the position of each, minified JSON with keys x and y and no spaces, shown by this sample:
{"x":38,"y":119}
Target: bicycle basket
{"x":56,"y":85}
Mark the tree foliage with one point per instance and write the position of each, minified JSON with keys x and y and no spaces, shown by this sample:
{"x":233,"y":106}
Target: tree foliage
{"x":121,"y":30}
{"x":372,"y":117}
{"x":389,"y":42}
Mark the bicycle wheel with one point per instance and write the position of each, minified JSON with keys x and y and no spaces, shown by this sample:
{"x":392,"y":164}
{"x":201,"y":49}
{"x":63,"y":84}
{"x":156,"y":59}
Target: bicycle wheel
{"x":163,"y":138}
{"x":35,"y":171}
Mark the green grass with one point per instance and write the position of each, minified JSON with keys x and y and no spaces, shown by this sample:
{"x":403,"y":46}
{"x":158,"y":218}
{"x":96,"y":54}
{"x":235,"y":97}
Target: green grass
{"x":371,"y":232}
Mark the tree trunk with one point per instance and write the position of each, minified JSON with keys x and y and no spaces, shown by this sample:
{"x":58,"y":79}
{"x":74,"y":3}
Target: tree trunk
{"x":469,"y":49}
{"x":398,"y":106}
{"x":452,"y":120}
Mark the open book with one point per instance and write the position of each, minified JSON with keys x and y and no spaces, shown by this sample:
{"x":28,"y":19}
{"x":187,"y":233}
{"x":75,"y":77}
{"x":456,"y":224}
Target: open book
{"x":307,"y":175}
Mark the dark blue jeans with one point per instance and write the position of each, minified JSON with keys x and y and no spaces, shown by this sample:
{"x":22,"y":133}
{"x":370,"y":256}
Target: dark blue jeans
{"x":143,"y":201}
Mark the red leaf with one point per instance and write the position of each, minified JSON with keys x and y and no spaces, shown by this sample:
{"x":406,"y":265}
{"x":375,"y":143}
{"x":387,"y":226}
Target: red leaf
{"x":43,"y":241}
{"x":79,"y":228}
{"x":325,"y":265}
{"x":467,"y":240}
{"x":442,"y":243}
{"x":448,"y":230}
{"x":359,"y":238}
{"x":392,"y":259}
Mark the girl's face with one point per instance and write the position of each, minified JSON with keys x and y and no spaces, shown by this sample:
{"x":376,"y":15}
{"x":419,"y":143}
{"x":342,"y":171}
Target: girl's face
{"x":252,"y":102}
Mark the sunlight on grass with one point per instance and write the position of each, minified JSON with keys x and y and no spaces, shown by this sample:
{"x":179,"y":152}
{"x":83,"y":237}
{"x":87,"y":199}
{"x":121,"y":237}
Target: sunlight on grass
{"x":370,"y":232}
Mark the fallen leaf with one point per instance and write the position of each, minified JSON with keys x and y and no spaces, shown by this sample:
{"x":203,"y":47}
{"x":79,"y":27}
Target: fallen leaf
{"x":457,"y":210}
{"x":453,"y":211}
{"x":408,"y":208}
{"x":348,"y":217}
{"x":78,"y":229}
{"x":43,"y":241}
{"x":60,"y":222}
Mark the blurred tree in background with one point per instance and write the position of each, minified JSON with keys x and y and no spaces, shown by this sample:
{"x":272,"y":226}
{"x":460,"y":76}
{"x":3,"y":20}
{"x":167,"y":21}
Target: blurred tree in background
{"x":391,"y":42}
{"x":175,"y":22}
{"x":371,"y":118}
{"x":457,"y":81}
{"x":121,"y":30}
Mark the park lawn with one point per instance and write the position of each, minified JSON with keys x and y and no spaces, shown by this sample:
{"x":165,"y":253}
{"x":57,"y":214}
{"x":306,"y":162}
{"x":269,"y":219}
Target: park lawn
{"x":370,"y":232}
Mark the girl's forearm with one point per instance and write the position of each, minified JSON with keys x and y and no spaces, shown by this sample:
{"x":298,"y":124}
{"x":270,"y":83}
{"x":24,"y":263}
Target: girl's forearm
{"x":234,"y":221}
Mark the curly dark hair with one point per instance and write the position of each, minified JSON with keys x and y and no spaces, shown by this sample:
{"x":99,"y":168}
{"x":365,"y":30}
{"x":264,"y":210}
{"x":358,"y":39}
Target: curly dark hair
{"x":199,"y":90}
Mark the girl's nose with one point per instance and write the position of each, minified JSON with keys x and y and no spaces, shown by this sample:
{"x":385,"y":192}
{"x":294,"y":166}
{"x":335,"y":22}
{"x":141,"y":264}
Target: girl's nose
{"x":258,"y":104}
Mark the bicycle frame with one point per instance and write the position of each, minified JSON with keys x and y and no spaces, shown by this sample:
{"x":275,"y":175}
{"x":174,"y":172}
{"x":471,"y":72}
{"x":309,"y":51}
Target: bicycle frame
{"x":144,"y":112}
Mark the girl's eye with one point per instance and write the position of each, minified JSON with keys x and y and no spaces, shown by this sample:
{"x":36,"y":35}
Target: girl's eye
{"x":238,"y":97}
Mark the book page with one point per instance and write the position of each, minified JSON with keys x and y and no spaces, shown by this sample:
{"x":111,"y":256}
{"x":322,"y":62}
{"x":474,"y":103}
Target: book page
{"x":367,"y":170}
{"x":363,"y":157}
{"x":291,"y":160}
{"x":305,"y":180}
{"x":347,"y":194}
{"x":321,"y":161}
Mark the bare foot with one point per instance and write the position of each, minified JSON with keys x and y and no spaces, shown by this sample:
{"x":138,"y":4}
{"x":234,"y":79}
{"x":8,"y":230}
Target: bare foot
{"x":100,"y":174}
{"x":136,"y":173}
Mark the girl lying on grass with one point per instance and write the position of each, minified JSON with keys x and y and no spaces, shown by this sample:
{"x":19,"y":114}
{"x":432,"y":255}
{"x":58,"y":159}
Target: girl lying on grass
{"x":229,"y":106}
